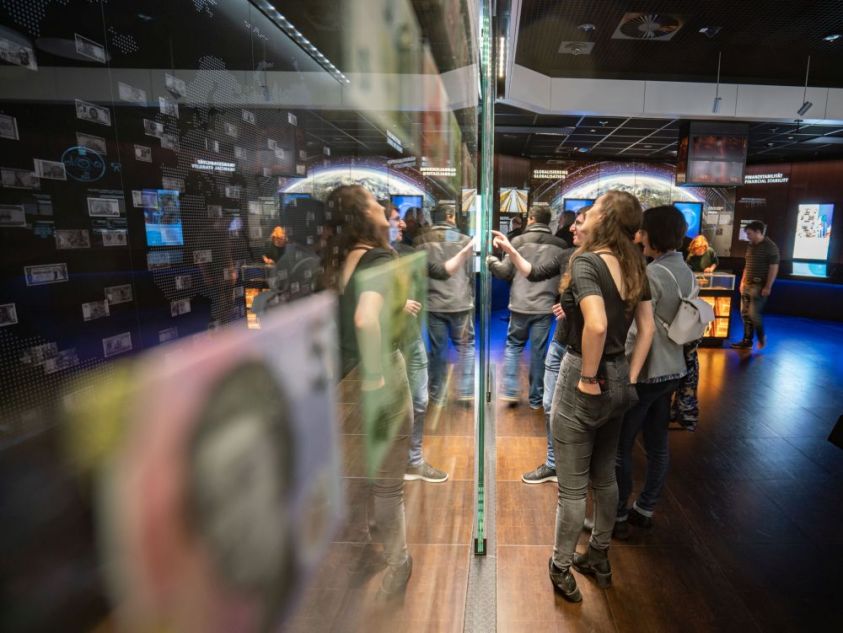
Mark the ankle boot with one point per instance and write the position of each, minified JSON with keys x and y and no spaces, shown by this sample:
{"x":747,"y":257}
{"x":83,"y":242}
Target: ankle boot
{"x":564,"y":582}
{"x":595,"y":563}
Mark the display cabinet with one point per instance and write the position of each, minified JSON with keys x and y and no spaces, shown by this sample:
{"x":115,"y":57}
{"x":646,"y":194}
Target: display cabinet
{"x":717,"y":289}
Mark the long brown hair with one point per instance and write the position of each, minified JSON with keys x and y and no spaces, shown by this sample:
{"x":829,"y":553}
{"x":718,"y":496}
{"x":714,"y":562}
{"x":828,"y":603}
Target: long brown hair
{"x":345,"y":208}
{"x":622,"y":215}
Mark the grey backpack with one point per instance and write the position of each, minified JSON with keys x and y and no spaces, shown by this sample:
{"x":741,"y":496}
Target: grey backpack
{"x":691,"y":318}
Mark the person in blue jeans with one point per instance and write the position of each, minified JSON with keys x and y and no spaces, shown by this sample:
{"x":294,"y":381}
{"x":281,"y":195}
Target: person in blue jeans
{"x":450,"y":305}
{"x":415,"y":354}
{"x":530,"y":304}
{"x":546,"y":472}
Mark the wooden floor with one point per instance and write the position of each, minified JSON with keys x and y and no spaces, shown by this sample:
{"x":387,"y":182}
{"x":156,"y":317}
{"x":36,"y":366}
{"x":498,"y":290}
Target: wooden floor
{"x":749,"y":534}
{"x":747,"y":537}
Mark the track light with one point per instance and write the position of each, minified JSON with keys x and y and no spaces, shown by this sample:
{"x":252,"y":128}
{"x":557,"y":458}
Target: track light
{"x":804,"y":108}
{"x":806,"y":105}
{"x":715,"y":107}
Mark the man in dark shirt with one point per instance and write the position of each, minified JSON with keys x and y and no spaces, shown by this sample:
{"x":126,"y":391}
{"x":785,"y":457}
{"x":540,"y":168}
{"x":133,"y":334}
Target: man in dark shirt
{"x":762,"y":267}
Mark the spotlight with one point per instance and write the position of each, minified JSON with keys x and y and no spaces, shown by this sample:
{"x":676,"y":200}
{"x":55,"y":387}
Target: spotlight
{"x":711,"y":31}
{"x":832,"y":38}
{"x":807,"y":105}
{"x":715,"y":107}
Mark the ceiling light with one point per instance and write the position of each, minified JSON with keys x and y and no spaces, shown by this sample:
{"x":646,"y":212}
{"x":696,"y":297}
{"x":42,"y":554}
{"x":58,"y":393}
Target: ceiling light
{"x":807,"y":105}
{"x":592,"y":131}
{"x":832,"y":38}
{"x":582,"y":150}
{"x":710,"y":31}
{"x":588,"y":27}
{"x":790,"y":138}
{"x":715,"y":107}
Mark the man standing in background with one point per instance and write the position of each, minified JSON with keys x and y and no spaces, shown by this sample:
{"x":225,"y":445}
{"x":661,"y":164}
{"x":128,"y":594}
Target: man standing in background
{"x":762,"y":267}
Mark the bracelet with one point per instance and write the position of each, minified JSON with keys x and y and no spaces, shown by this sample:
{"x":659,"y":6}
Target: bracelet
{"x":589,"y":380}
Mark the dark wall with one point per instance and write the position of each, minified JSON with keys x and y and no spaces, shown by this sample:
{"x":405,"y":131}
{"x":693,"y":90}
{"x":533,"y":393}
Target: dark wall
{"x":776,"y":203}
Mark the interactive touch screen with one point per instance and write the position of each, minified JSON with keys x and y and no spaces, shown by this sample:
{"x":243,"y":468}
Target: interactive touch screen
{"x":813,"y":231}
{"x":693,"y":216}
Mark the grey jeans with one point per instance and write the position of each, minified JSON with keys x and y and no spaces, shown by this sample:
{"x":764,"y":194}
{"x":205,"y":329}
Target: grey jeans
{"x":585,"y":440}
{"x":392,"y":419}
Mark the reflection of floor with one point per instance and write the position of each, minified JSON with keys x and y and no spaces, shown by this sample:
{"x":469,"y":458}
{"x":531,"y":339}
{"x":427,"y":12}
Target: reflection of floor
{"x":439,"y":522}
{"x":748,"y":535}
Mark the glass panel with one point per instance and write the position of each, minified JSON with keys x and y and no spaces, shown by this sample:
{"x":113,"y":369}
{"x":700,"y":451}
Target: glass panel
{"x":237,"y":320}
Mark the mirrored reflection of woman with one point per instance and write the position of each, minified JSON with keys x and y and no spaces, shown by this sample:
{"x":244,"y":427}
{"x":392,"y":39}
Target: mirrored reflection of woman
{"x":604,"y":289}
{"x":369,"y":341}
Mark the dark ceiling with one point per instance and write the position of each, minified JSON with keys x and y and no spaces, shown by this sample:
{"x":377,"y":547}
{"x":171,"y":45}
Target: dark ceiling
{"x":761,"y":42}
{"x":523,"y":133}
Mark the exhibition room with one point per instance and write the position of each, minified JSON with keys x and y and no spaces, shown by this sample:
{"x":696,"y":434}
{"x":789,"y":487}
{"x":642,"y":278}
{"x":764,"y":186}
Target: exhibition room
{"x":421,"y":315}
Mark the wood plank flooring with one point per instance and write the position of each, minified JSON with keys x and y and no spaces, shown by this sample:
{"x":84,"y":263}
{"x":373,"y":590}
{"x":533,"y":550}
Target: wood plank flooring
{"x":748,"y":535}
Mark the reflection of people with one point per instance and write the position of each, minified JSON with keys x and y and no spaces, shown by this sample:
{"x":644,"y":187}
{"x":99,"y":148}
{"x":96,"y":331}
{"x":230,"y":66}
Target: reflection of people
{"x":275,"y":247}
{"x":604,"y":287}
{"x":701,"y":257}
{"x":530,"y":304}
{"x":759,"y":273}
{"x":369,"y":342}
{"x":661,"y":235}
{"x":451,"y":306}
{"x":516,"y":228}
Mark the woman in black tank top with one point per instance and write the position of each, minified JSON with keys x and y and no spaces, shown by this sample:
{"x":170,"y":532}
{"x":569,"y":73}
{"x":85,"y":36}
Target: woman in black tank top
{"x":369,"y":343}
{"x":604,"y":289}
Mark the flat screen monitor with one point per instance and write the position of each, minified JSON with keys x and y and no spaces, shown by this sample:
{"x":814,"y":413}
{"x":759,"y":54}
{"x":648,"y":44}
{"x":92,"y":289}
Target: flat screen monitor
{"x":712,"y":154}
{"x":813,"y":231}
{"x":293,"y":198}
{"x":693,"y":216}
{"x":514,"y":201}
{"x":405,"y":203}
{"x":810,"y":269}
{"x":575,"y":204}
{"x":162,"y":217}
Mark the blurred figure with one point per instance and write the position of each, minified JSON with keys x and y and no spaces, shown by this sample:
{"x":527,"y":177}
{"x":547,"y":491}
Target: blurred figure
{"x":566,"y":222}
{"x":412,"y":224}
{"x":371,"y":343}
{"x":516,"y":227}
{"x":701,"y":257}
{"x":530,"y":303}
{"x":759,"y":274}
{"x":276,"y":246}
{"x":450,"y":306}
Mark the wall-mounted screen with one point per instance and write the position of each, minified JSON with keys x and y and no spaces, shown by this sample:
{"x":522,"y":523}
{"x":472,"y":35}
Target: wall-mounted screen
{"x":162,"y":217}
{"x":575,"y":204}
{"x":405,"y":203}
{"x":813,"y":231}
{"x":693,"y":216}
{"x":514,"y":200}
{"x":712,"y":154}
{"x":293,"y":198}
{"x":810,"y":269}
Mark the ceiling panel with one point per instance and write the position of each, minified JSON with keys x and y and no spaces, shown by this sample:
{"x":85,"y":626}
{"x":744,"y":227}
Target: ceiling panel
{"x":761,"y":42}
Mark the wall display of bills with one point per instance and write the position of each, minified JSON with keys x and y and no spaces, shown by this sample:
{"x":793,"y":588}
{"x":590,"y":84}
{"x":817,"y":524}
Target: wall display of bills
{"x":202,"y":256}
{"x":179,"y":307}
{"x":95,"y":143}
{"x":93,"y":113}
{"x":8,"y":314}
{"x":18,"y":179}
{"x":12,"y":215}
{"x":65,"y":359}
{"x":118,"y":294}
{"x":9,"y":127}
{"x":103,"y":207}
{"x":17,"y":53}
{"x":125,"y":92}
{"x":44,"y":274}
{"x":93,"y":310}
{"x":117,"y":344}
{"x":90,"y":49}
{"x":67,"y":239}
{"x":50,"y":169}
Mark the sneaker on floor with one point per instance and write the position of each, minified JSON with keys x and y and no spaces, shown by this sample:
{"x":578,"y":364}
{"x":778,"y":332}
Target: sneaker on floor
{"x":511,"y":400}
{"x":639,"y":520}
{"x":535,"y":407}
{"x":540,"y":475}
{"x":395,"y":581}
{"x":688,"y":425}
{"x":425,"y":472}
{"x":762,"y":341}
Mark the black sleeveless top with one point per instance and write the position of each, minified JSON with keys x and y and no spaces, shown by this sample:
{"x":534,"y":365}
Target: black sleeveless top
{"x":590,"y":275}
{"x":382,"y":284}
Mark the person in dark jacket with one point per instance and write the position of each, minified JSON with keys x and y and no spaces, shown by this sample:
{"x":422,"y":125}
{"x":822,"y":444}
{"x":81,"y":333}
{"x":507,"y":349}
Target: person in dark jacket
{"x":530,"y":304}
{"x":450,"y":306}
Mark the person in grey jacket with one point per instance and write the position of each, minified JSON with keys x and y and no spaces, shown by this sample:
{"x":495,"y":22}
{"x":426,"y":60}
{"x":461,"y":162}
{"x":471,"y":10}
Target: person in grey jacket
{"x":450,"y":306}
{"x":661,"y":235}
{"x":530,"y":303}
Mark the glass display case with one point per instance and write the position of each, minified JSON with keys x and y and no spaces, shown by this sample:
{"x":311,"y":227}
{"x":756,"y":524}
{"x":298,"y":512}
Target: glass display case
{"x":717,"y":289}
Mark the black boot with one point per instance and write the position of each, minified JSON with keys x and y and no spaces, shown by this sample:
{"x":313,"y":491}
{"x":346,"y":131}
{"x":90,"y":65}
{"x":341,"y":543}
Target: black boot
{"x":748,"y":332}
{"x":564,"y":582}
{"x":595,"y":563}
